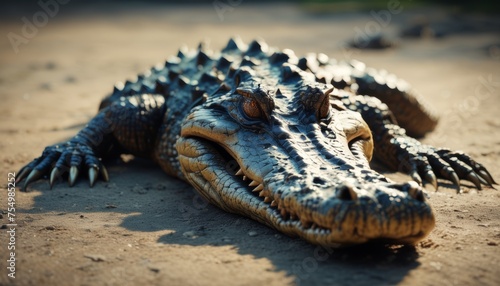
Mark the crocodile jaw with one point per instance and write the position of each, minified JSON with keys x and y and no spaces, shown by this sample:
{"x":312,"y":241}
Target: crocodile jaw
{"x":326,"y":201}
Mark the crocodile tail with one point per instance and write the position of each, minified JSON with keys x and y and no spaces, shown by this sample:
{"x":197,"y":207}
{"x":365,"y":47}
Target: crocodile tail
{"x":408,"y":107}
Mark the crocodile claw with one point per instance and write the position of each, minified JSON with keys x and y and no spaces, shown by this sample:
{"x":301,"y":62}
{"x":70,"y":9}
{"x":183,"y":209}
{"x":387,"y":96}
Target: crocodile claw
{"x":429,"y":163}
{"x":431,"y":179}
{"x":416,"y":177}
{"x":73,"y":174}
{"x":104,"y":173}
{"x":486,"y":176}
{"x":58,"y":159}
{"x":33,"y":176}
{"x":453,"y":177}
{"x":23,"y":173}
{"x":472,"y":177}
{"x":54,"y":175}
{"x":483,"y":181}
{"x":93,"y":173}
{"x":467,"y":168}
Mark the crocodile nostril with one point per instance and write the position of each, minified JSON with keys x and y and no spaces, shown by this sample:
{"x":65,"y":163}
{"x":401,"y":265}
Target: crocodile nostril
{"x":346,"y":192}
{"x":319,"y":181}
{"x":419,"y":196}
{"x":412,"y":188}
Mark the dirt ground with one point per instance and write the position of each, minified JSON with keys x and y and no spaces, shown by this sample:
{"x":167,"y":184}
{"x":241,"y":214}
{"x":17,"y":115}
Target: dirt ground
{"x":144,"y":227}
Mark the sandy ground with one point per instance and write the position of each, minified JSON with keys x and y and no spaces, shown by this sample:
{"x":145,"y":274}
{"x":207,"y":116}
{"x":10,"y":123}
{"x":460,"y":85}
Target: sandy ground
{"x":144,"y":227}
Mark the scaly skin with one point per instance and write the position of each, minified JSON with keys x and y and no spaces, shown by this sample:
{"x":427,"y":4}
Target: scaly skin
{"x":284,"y":140}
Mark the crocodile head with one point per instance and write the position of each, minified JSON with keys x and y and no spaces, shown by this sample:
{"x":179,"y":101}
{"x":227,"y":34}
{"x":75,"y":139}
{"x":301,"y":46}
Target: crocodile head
{"x":273,"y":144}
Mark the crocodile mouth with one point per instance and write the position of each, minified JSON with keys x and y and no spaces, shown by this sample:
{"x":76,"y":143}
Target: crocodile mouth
{"x":275,"y":208}
{"x":253,"y":190}
{"x":226,"y":182}
{"x":290,"y":221}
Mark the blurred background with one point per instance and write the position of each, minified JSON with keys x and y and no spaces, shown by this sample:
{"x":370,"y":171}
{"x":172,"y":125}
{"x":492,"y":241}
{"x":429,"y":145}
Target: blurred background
{"x":332,"y":26}
{"x":80,"y":48}
{"x":336,"y":23}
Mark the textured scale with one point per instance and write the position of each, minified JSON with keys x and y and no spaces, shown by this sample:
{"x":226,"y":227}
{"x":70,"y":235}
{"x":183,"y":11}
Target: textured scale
{"x":285,"y":140}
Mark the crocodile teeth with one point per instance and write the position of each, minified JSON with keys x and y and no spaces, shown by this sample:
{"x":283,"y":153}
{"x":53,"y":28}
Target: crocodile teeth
{"x":274,"y":203}
{"x":262,"y":194}
{"x":239,"y":173}
{"x":244,"y":178}
{"x":253,"y":184}
{"x":346,"y":192}
{"x":260,"y":187}
{"x":280,"y":205}
{"x":283,"y":213}
{"x":267,"y":199}
{"x":305,"y":223}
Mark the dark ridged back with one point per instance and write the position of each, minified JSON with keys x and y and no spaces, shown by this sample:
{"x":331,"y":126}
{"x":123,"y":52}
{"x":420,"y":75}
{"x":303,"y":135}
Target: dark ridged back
{"x":188,"y":79}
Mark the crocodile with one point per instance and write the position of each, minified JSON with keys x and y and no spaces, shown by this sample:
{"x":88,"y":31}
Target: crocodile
{"x":282,"y":139}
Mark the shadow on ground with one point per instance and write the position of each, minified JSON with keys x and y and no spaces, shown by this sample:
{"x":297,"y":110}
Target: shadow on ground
{"x":153,"y":202}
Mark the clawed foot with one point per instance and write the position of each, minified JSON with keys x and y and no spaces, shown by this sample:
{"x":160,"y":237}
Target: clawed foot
{"x":61,"y":158}
{"x":429,"y":162}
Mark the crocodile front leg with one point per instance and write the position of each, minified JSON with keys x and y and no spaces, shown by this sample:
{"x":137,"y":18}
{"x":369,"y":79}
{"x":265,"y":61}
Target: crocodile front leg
{"x":129,"y":125}
{"x":84,"y":148}
{"x":395,"y":149}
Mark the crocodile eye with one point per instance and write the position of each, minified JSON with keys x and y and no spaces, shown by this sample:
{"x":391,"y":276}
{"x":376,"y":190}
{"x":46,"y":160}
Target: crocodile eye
{"x":251,"y":108}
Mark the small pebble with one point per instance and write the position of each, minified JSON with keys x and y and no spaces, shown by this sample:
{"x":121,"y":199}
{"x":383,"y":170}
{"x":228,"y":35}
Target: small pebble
{"x":436,"y":265}
{"x":95,"y":257}
{"x":70,"y":79}
{"x":50,"y":65}
{"x":46,"y":86}
{"x":154,"y":269}
{"x":190,"y":234}
{"x":252,"y":233}
{"x":427,"y":243}
{"x":161,"y":187}
{"x":139,"y":189}
{"x":110,"y":186}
